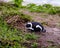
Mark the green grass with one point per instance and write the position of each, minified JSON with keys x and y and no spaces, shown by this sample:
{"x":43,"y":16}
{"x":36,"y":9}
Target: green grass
{"x":31,"y":36}
{"x":18,"y":3}
{"x":46,"y":8}
{"x":34,"y":45}
{"x":11,"y":37}
{"x":10,"y":10}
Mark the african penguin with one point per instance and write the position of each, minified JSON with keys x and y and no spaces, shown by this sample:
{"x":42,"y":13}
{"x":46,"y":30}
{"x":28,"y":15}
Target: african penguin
{"x":35,"y":26}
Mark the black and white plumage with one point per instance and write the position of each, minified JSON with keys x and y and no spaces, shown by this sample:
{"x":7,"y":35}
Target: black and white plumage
{"x":35,"y":26}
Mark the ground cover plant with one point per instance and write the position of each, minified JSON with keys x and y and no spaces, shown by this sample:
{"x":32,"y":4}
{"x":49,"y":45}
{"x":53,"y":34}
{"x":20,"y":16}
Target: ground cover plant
{"x":46,"y":8}
{"x":11,"y":37}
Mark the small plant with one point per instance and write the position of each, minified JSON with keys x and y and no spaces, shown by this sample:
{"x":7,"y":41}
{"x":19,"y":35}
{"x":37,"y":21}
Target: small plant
{"x":47,"y":5}
{"x":30,"y":36}
{"x":46,"y":8}
{"x":30,"y":5}
{"x":34,"y":45}
{"x":18,"y":3}
{"x":52,"y":11}
{"x":25,"y":17}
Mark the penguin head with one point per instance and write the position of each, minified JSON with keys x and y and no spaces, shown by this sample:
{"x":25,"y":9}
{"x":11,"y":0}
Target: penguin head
{"x":28,"y":25}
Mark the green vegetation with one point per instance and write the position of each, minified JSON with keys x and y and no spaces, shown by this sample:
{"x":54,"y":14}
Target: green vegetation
{"x":46,"y":8}
{"x":34,"y":45}
{"x":11,"y":37}
{"x":31,"y":36}
{"x":18,"y":3}
{"x":10,"y":10}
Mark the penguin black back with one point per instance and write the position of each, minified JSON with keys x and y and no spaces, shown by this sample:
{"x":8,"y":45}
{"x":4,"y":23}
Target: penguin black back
{"x":41,"y":29}
{"x":37,"y":27}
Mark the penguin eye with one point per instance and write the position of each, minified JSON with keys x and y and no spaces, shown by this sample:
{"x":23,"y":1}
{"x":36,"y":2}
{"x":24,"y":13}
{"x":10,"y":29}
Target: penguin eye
{"x":28,"y":25}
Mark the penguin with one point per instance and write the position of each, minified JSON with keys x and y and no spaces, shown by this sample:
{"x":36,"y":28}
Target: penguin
{"x":35,"y":26}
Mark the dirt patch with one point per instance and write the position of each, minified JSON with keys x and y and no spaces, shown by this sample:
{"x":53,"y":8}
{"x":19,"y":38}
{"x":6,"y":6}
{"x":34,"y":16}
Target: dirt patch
{"x":52,"y":36}
{"x":16,"y":22}
{"x":49,"y":39}
{"x":49,"y":20}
